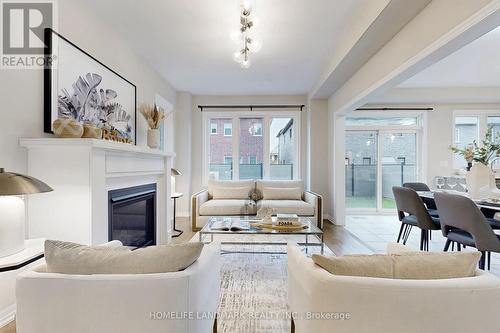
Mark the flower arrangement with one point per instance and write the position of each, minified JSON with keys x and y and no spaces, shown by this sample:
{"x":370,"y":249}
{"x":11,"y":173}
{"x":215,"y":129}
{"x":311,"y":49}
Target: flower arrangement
{"x":489,"y":149}
{"x":153,"y":115}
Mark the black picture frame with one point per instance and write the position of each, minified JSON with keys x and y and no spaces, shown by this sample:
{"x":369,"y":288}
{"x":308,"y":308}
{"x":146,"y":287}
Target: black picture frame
{"x":48,"y":80}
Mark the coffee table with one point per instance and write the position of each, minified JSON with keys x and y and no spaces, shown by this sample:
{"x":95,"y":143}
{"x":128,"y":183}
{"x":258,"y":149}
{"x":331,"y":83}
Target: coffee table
{"x":311,"y":231}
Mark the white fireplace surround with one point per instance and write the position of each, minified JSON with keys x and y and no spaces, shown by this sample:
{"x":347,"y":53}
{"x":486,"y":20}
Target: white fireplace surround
{"x":81,"y":172}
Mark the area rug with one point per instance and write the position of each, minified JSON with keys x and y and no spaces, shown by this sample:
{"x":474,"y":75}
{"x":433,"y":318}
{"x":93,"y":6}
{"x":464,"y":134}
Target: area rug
{"x":254,"y":286}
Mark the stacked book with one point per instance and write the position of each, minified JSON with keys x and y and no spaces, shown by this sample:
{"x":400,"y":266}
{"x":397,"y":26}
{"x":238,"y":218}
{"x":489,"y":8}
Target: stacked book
{"x":287,"y":219}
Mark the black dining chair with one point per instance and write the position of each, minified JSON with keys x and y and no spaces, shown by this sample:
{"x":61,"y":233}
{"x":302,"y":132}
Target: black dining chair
{"x":429,"y":202}
{"x":413,"y":213}
{"x":463,"y":223}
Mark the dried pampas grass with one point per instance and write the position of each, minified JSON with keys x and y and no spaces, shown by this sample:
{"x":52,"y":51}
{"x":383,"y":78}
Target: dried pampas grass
{"x":153,"y":115}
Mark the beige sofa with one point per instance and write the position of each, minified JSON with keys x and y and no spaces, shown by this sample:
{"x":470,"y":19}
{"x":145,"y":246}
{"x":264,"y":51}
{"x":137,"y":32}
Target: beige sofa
{"x":246,"y":197}
{"x":322,"y":302}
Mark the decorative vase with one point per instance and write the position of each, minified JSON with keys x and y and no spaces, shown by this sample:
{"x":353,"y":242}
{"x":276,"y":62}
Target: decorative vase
{"x":91,"y":131}
{"x":154,"y":138}
{"x":67,"y":128}
{"x":479,"y":180}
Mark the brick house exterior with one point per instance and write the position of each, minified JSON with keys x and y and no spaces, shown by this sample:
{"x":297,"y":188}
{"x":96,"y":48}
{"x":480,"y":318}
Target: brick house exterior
{"x":251,"y":141}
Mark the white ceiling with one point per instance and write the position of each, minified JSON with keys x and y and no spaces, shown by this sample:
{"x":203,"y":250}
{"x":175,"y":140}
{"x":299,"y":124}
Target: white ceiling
{"x":188,"y":41}
{"x":475,"y":65}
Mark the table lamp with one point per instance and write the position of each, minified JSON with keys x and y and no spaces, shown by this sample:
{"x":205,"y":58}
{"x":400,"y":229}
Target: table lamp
{"x":173,"y":173}
{"x":12,"y":211}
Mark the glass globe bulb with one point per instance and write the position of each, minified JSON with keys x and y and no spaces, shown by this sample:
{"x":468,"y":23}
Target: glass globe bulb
{"x":245,"y":64}
{"x":237,"y":56}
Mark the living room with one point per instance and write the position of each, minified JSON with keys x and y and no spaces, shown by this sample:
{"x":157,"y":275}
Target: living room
{"x":249,"y":166}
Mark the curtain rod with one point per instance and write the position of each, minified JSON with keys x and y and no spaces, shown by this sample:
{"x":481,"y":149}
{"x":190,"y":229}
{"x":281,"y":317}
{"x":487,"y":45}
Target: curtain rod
{"x":395,"y":109}
{"x":251,"y":107}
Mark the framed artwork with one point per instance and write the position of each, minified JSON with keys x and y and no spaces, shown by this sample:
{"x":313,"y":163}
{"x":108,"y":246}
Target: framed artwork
{"x":77,"y":85}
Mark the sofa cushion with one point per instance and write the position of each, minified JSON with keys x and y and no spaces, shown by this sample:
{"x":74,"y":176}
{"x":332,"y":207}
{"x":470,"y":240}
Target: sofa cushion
{"x":230,"y":193}
{"x":70,"y":258}
{"x":405,"y":265}
{"x":213,"y":184}
{"x":377,"y":265}
{"x":435,"y":265}
{"x":260,"y":184}
{"x":279,"y":193}
{"x":227,"y":207}
{"x":298,"y":207}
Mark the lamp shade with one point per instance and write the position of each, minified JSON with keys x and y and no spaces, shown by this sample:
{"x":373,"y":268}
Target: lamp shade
{"x":175,"y":172}
{"x":17,"y":184}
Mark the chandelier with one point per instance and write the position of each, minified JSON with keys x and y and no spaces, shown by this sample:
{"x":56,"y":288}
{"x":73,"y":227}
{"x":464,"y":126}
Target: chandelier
{"x":245,"y":36}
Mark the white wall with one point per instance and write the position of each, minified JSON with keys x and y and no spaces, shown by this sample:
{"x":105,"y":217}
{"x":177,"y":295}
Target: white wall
{"x":21,"y":91}
{"x":183,"y":160}
{"x":317,"y":153}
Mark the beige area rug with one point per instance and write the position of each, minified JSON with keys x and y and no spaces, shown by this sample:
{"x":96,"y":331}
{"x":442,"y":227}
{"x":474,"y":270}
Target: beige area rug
{"x":254,"y":285}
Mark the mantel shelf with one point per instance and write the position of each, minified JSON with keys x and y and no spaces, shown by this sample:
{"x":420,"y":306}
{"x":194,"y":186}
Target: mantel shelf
{"x":93,"y":143}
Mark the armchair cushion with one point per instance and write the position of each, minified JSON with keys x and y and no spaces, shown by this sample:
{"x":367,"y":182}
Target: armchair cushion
{"x":70,"y":258}
{"x":227,"y":207}
{"x":298,"y":207}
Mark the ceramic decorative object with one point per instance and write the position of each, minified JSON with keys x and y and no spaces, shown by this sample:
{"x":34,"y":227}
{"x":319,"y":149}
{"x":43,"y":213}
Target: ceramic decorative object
{"x":154,"y":138}
{"x":266,"y":214}
{"x":91,"y":131}
{"x":67,"y":128}
{"x":480,"y":180}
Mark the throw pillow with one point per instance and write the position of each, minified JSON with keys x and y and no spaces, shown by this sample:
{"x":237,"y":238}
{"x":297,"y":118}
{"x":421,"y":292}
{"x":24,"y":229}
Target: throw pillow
{"x":221,"y":193}
{"x":380,"y":266}
{"x":70,"y":258}
{"x":281,"y":193}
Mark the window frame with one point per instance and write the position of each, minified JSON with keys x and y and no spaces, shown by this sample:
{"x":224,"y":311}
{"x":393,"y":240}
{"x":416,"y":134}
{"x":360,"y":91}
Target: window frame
{"x":482,"y":116}
{"x":267,"y":115}
{"x":261,"y":129}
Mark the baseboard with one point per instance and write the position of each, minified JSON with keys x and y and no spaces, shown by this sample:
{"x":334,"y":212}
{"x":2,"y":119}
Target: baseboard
{"x":7,"y":315}
{"x":329,"y":218}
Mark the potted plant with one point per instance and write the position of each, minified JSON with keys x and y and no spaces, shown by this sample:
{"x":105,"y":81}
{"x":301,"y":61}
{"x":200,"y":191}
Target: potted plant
{"x":154,"y":117}
{"x":480,"y":174}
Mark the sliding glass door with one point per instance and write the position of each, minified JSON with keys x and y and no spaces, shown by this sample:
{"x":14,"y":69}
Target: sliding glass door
{"x":375,"y":161}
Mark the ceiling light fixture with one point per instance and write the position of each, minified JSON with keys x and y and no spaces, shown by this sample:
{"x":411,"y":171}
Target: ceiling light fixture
{"x":244,"y":36}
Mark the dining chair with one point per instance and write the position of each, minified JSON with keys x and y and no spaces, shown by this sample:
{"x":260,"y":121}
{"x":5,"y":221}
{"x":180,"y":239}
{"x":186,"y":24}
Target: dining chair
{"x":413,"y":213}
{"x":429,"y":202}
{"x":463,"y":223}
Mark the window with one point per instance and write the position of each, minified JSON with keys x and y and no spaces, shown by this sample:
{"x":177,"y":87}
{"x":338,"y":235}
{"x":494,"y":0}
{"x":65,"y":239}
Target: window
{"x":219,"y":149}
{"x":251,"y":147}
{"x":466,"y":132}
{"x":381,"y":121}
{"x":257,"y":129}
{"x":256,"y":145}
{"x":228,"y":129}
{"x":285,"y":149}
{"x":367,"y":161}
{"x":213,"y":128}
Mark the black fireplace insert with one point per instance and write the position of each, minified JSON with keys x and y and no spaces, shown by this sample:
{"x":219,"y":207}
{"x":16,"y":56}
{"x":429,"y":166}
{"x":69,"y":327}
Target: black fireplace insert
{"x":132,"y":215}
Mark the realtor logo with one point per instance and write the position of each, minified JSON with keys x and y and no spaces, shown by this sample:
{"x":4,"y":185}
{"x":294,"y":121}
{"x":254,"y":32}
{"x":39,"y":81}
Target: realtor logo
{"x":23,"y":25}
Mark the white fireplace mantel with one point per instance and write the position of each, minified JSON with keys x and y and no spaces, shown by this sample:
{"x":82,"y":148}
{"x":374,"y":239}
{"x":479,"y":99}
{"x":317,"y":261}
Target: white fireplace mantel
{"x":81,"y":172}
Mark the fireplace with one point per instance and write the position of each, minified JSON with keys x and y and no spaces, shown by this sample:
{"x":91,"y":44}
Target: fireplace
{"x":132,"y":215}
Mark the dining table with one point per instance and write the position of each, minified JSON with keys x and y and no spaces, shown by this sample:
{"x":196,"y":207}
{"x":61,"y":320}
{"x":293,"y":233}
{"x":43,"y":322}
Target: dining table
{"x":488,"y":207}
